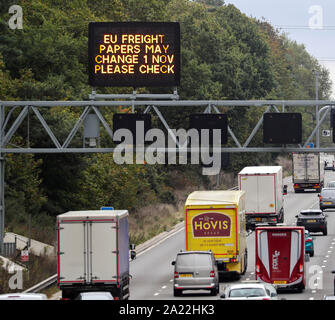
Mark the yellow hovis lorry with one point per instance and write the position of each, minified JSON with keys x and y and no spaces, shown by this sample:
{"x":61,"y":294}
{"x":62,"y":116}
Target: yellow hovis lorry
{"x":215,"y":220}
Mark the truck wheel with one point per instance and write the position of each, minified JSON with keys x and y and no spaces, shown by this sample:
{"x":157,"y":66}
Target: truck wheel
{"x":177,"y":292}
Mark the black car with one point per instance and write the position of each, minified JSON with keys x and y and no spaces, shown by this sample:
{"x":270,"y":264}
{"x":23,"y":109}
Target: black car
{"x":314,"y":220}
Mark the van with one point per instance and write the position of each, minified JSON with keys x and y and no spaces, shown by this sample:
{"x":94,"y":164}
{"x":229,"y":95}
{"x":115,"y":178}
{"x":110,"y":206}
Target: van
{"x":195,"y":270}
{"x":280,"y":256}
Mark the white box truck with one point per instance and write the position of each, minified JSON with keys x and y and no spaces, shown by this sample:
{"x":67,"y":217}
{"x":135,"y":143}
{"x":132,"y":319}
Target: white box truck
{"x":263,"y":187}
{"x":93,"y":252}
{"x":308,"y":172}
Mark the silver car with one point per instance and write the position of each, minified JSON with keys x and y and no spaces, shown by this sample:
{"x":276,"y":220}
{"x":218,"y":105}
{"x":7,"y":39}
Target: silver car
{"x":327,"y":198}
{"x":195,"y":270}
{"x":250,"y":291}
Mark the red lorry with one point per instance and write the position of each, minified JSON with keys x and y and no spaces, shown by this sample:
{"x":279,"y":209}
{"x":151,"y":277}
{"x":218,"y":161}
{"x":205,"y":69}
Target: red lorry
{"x":280,"y":256}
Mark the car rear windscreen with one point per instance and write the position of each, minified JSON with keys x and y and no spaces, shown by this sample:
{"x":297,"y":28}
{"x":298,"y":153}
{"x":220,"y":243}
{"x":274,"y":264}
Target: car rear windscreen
{"x":247,"y":292}
{"x":328,"y":193}
{"x":194,"y":260}
{"x":311,"y":213}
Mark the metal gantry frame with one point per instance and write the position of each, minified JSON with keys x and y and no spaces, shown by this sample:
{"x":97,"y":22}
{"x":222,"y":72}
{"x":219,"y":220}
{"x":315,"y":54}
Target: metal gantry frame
{"x":169,"y":100}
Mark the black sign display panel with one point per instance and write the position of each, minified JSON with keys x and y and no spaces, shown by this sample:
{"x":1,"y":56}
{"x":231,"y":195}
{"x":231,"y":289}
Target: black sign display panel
{"x":210,"y":121}
{"x":282,"y":128}
{"x":128,"y":121}
{"x":134,"y":54}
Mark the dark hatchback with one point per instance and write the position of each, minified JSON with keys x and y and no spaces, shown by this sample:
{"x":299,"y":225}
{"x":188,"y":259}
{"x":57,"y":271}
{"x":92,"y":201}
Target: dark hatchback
{"x":314,"y":220}
{"x":327,"y":198}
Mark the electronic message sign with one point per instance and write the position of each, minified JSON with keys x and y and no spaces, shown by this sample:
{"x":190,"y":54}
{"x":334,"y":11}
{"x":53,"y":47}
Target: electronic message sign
{"x":134,"y":54}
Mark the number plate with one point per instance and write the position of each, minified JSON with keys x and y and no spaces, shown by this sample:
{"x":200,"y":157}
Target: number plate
{"x":309,"y":221}
{"x":186,"y":275}
{"x":279,"y":282}
{"x":258,"y":219}
{"x":327,"y":203}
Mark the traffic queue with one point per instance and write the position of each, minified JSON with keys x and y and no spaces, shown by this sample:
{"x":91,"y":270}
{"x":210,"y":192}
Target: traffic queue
{"x":218,"y":222}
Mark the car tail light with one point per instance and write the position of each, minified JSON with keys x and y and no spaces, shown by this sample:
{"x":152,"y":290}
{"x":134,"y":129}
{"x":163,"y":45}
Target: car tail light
{"x":176,"y":275}
{"x":233,"y":260}
{"x":258,"y":268}
{"x":266,"y":299}
{"x":64,"y":299}
{"x":301,"y":267}
{"x":212,"y":274}
{"x":320,"y":198}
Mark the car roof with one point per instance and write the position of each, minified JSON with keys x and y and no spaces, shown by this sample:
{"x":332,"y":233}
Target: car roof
{"x":246,"y":285}
{"x":323,"y":189}
{"x":23,"y":296}
{"x":311,"y":210}
{"x":96,"y":294}
{"x":193,"y":252}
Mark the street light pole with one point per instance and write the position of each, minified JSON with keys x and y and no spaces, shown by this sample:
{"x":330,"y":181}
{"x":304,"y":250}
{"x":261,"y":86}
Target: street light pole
{"x":317,"y":108}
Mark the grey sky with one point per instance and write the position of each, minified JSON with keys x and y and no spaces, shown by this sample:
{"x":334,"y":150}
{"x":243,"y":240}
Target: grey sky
{"x":295,"y":13}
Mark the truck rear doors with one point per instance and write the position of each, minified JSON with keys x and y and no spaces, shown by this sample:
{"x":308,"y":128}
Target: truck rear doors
{"x":261,"y":195}
{"x":280,"y":256}
{"x":212,"y":229}
{"x":87,"y":252}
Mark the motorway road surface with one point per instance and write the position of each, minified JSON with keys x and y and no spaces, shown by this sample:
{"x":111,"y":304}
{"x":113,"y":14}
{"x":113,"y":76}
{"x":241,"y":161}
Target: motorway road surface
{"x":153,"y":273}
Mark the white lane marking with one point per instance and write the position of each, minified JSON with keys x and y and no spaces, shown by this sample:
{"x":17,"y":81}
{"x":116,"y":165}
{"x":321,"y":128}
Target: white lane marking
{"x":156,"y":294}
{"x":171,"y":280}
{"x":324,"y":261}
{"x":313,"y":291}
{"x":160,"y":241}
{"x":164,"y":287}
{"x":323,"y":266}
{"x":311,"y":298}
